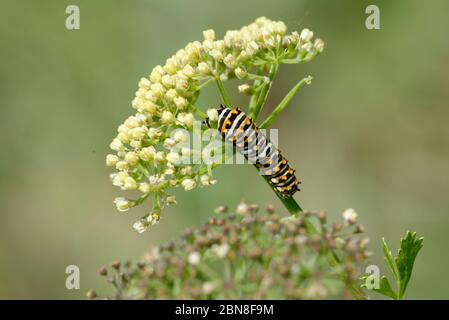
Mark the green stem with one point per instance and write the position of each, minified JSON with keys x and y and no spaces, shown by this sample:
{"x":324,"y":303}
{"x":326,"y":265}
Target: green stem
{"x":222,"y":91}
{"x":281,"y":106}
{"x":200,"y":113}
{"x":289,"y":203}
{"x":255,"y":96}
{"x":264,"y":93}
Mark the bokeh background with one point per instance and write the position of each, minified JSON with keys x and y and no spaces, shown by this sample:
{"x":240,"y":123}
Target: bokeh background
{"x":371,"y":132}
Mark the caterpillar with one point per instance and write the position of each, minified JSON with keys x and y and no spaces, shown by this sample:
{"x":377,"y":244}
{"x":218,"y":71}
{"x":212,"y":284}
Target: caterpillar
{"x":239,"y":129}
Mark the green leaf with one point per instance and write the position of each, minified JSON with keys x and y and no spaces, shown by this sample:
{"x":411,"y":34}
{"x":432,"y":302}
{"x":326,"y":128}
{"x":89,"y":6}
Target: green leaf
{"x":400,"y":266}
{"x":385,"y":288}
{"x":410,"y":246}
{"x":389,"y":260}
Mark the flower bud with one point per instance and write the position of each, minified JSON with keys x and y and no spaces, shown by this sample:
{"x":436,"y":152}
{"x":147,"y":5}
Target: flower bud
{"x":156,"y":74}
{"x":188,"y":184}
{"x":180,"y":136}
{"x":242,"y":208}
{"x":209,"y":34}
{"x":203,"y":68}
{"x":147,"y":154}
{"x":240,"y":73}
{"x":180,"y":102}
{"x":160,"y":156}
{"x":212,"y":114}
{"x":194,"y":258}
{"x":171,"y":95}
{"x":169,"y":143}
{"x":116,"y":145}
{"x":318,"y":45}
{"x":144,"y":187}
{"x":306,"y":35}
{"x":140,"y":226}
{"x":170,"y":200}
{"x":130,"y":184}
{"x":122,"y":165}
{"x":122,"y":204}
{"x":157,"y":89}
{"x":131,"y":158}
{"x":350,"y":216}
{"x":244,"y":88}
{"x":111,"y":160}
{"x":168,"y":81}
{"x":154,"y":133}
{"x":173,"y":157}
{"x":167,"y":117}
{"x":144,"y":83}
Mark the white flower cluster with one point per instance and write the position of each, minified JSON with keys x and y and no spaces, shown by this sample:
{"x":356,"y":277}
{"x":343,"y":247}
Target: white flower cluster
{"x":147,"y":154}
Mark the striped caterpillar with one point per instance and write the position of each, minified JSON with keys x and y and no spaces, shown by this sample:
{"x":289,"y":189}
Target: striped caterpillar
{"x":237,"y":128}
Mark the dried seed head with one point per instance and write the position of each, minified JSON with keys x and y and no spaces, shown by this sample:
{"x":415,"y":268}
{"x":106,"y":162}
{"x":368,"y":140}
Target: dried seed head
{"x":91,"y":294}
{"x":270,"y":209}
{"x":221,"y":209}
{"x":278,"y":247}
{"x":115,"y":264}
{"x":102,"y":271}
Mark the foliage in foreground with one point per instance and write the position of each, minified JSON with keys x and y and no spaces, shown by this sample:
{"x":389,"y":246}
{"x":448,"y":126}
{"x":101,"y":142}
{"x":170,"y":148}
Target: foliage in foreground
{"x":249,"y":255}
{"x":401,"y":267}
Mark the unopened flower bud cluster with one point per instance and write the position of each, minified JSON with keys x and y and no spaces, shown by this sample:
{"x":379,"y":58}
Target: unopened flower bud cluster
{"x":146,"y":151}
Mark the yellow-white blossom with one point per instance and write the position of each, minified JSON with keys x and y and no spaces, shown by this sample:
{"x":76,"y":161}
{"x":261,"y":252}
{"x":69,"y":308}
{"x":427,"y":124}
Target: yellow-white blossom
{"x":194,"y":258}
{"x":206,"y":180}
{"x":167,"y":117}
{"x":173,"y":157}
{"x":212,"y":114}
{"x":188,"y":184}
{"x":131,"y":158}
{"x":140,"y":226}
{"x":170,"y":200}
{"x":149,"y":148}
{"x":122,"y":204}
{"x":242,"y":208}
{"x":350,"y":216}
{"x":209,"y":34}
{"x":220,"y":250}
{"x":244,"y":88}
{"x":111,"y":160}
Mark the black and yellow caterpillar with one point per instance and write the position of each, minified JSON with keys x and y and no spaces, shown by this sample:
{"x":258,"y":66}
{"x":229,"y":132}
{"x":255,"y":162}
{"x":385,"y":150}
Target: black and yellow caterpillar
{"x":239,"y":129}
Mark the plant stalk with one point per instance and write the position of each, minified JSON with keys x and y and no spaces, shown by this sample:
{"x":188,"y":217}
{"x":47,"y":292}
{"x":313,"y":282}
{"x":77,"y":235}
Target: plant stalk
{"x":223,"y":93}
{"x":281,"y":106}
{"x":264,"y":93}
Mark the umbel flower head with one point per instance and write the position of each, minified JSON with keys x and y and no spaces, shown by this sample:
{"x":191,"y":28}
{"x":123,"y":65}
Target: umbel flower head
{"x":152,"y":153}
{"x":247,"y":254}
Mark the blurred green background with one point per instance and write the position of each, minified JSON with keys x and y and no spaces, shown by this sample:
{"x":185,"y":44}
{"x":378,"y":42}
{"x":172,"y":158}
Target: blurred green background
{"x":370,"y":133}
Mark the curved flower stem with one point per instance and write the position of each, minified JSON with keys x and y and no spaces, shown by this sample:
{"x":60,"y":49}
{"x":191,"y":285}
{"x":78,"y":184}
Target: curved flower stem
{"x":264,"y":93}
{"x":223,"y":93}
{"x":281,"y":106}
{"x":199,"y":112}
{"x":255,"y":96}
